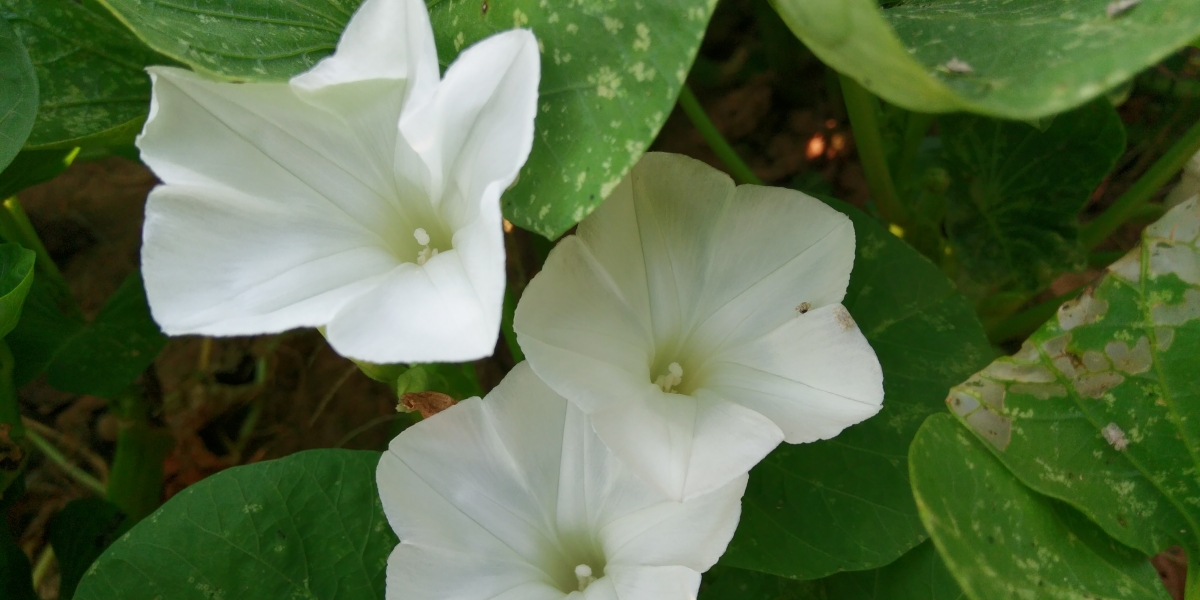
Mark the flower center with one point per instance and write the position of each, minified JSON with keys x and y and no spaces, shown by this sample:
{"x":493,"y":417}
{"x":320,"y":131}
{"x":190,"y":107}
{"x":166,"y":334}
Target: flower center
{"x":671,"y":379}
{"x":584,"y":574}
{"x":426,"y":252}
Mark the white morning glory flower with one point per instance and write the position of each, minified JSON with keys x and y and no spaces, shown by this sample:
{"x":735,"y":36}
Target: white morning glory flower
{"x":362,"y":196}
{"x":699,"y":324}
{"x":514,"y":498}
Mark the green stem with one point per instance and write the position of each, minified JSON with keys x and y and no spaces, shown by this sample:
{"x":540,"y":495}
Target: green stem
{"x":738,"y":169}
{"x":56,"y":457}
{"x":1099,"y":260}
{"x":42,"y":567}
{"x":17,"y":227}
{"x":915,"y":128}
{"x":136,"y":479}
{"x":1128,"y":205}
{"x":1024,"y":323}
{"x":863,"y":108}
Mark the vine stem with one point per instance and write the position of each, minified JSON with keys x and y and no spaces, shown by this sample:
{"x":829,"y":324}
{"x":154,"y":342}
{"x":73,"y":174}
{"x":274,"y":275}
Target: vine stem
{"x":737,"y":168}
{"x":15,"y":224}
{"x":1024,"y":323}
{"x":1128,"y":205}
{"x":863,"y":108}
{"x":63,"y":463}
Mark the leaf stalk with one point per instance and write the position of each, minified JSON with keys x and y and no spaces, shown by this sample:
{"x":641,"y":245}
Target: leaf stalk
{"x":737,"y":168}
{"x":1132,"y":201}
{"x":863,"y":108}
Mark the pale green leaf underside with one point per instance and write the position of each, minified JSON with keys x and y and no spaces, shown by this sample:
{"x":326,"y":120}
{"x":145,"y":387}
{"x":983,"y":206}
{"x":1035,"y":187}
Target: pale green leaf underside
{"x":1001,"y":540}
{"x":1028,"y":58}
{"x":1099,"y":408}
{"x":610,"y":73}
{"x":307,"y":526}
{"x":844,"y":504}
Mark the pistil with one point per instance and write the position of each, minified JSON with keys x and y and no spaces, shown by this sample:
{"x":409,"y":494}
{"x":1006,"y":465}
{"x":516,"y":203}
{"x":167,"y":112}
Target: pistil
{"x":584,"y":574}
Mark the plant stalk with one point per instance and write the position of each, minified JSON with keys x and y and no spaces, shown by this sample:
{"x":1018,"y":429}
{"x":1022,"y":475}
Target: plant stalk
{"x":136,"y":478}
{"x":1024,"y":323}
{"x":16,"y":226}
{"x":1129,"y":204}
{"x":737,"y":168}
{"x":863,"y":109}
{"x":56,"y":457}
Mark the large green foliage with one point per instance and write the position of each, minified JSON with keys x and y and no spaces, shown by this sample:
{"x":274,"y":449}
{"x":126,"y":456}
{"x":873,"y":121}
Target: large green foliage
{"x":844,"y":504}
{"x":91,"y":85}
{"x":16,"y":278}
{"x":1002,"y":540}
{"x":18,"y":94}
{"x":79,"y":533}
{"x":1012,"y":58}
{"x":918,"y":575}
{"x":610,"y":74}
{"x":1099,"y":408}
{"x":1016,"y":191}
{"x":99,"y":358}
{"x":307,"y":526}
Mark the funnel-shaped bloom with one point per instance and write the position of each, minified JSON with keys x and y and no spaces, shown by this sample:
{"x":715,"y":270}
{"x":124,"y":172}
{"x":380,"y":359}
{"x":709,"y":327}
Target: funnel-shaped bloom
{"x":514,"y":498}
{"x":362,"y":196}
{"x":699,"y":324}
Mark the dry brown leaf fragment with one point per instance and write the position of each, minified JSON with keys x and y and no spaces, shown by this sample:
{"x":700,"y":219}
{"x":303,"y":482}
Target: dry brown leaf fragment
{"x":426,"y":403}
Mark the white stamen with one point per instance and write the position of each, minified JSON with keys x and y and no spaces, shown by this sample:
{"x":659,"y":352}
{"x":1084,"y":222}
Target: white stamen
{"x":426,"y":252}
{"x":672,"y":378}
{"x":422,"y":236}
{"x":584,"y":574}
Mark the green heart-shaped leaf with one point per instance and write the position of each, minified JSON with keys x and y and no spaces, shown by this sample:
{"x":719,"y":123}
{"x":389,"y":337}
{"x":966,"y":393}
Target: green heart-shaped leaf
{"x":1019,"y":59}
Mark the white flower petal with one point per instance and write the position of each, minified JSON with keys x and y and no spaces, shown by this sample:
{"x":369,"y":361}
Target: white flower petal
{"x":775,"y":249}
{"x":520,"y":482}
{"x":677,"y":203}
{"x":812,"y":390}
{"x":421,"y":572}
{"x":451,"y":473}
{"x":385,"y":39}
{"x":666,"y":534}
{"x":685,"y":446}
{"x":476,"y":131}
{"x":428,"y":313}
{"x":263,"y":141}
{"x":419,"y":226}
{"x":581,"y":334}
{"x":225,"y":263}
{"x":655,"y":583}
{"x":665,"y":287}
